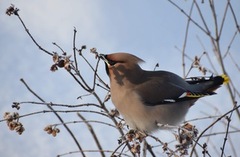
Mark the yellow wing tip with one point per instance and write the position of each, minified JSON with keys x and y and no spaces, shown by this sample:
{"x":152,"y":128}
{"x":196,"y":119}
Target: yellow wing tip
{"x":226,"y":79}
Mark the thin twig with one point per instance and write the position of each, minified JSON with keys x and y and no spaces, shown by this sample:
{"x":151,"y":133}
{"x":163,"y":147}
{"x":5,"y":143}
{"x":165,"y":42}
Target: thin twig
{"x":185,"y":42}
{"x":234,"y":62}
{"x":230,"y":44}
{"x":149,"y":148}
{"x":223,"y":20}
{"x":216,"y":45}
{"x":63,"y":52}
{"x":210,"y":61}
{"x":232,"y":146}
{"x":234,"y":16}
{"x":220,"y":133}
{"x":30,"y":35}
{"x":89,"y":121}
{"x":90,"y":128}
{"x":211,"y":125}
{"x":60,"y":105}
{"x":201,"y":118}
{"x":80,"y":83}
{"x":94,"y":151}
{"x":226,"y":134}
{"x":111,"y":117}
{"x":208,"y":57}
{"x":192,"y":60}
{"x":193,"y":21}
{"x":57,"y":115}
{"x":61,"y":111}
{"x":95,"y":75}
{"x":203,"y":20}
{"x":74,"y":49}
{"x":120,"y":145}
{"x":162,"y":143}
{"x":212,"y":6}
{"x":99,"y":78}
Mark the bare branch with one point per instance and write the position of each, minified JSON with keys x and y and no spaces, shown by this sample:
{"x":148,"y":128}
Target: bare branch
{"x":193,"y":21}
{"x":229,"y":112}
{"x":30,"y":35}
{"x":74,"y":49}
{"x":93,"y":134}
{"x":57,"y":115}
{"x":226,"y":134}
{"x":185,"y":42}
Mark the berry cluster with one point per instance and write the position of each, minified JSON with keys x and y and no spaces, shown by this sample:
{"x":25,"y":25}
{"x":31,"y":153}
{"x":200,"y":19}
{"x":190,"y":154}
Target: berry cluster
{"x":51,"y":130}
{"x":13,"y":123}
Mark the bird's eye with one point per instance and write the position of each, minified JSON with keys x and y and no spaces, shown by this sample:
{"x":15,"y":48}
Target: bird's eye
{"x":111,"y":62}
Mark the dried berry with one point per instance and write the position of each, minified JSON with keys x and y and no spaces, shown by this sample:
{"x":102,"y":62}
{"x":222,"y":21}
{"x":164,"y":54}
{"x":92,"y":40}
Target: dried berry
{"x":55,"y":57}
{"x":54,"y":67}
{"x":61,"y":63}
{"x":50,"y":129}
{"x":12,"y":10}
{"x":135,"y":148}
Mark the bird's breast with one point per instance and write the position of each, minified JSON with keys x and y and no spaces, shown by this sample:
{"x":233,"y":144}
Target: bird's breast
{"x":144,"y":117}
{"x":135,"y":113}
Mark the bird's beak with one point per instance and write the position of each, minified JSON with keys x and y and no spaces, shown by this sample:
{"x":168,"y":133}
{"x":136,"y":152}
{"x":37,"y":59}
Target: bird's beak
{"x":107,"y":64}
{"x":103,"y":57}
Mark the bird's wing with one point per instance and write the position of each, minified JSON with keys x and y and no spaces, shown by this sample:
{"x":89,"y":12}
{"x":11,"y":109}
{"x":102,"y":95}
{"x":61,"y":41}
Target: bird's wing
{"x":164,"y":87}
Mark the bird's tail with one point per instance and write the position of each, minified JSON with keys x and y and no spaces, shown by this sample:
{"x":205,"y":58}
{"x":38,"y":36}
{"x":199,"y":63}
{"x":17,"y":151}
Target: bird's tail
{"x":208,"y":84}
{"x":203,"y":86}
{"x":217,"y":81}
{"x":225,"y":78}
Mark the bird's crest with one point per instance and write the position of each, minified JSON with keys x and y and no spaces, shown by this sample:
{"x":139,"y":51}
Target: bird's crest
{"x":124,"y":57}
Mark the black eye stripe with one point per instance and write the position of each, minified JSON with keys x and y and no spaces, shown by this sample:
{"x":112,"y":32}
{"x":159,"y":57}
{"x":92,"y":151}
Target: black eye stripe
{"x":111,"y":62}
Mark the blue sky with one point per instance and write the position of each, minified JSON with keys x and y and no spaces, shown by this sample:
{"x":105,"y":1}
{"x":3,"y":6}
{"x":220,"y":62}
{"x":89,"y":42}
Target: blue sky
{"x":152,"y":30}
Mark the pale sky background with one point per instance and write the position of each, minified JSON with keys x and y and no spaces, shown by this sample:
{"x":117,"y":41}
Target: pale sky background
{"x":149,"y":29}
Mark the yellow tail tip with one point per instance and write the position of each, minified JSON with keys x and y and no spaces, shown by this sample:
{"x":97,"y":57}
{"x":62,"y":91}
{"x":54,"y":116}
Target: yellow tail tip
{"x":225,"y":78}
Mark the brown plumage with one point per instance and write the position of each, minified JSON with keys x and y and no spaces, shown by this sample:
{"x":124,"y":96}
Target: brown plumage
{"x":145,"y":98}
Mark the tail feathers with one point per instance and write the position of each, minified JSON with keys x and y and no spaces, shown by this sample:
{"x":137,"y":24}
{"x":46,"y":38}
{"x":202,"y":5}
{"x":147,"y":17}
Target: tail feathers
{"x":207,"y":84}
{"x":200,"y":87}
{"x":225,"y":78}
{"x":217,"y":81}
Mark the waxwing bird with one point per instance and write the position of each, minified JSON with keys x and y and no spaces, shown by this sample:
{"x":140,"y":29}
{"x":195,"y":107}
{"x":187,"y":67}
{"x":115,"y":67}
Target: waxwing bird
{"x":148,"y":98}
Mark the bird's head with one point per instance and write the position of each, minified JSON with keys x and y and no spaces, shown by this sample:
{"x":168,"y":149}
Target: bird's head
{"x":121,"y":65}
{"x":116,"y":60}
